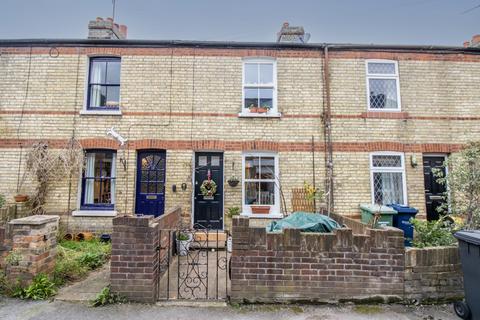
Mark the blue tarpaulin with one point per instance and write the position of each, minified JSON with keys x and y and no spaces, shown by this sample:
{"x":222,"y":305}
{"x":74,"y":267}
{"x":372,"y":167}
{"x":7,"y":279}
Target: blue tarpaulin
{"x":305,"y":221}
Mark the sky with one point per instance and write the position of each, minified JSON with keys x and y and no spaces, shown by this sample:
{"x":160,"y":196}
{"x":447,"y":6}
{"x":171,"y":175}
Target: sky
{"x":416,"y":22}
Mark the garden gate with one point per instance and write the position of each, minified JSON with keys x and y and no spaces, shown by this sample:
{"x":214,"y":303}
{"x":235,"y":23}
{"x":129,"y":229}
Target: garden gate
{"x":193,"y":264}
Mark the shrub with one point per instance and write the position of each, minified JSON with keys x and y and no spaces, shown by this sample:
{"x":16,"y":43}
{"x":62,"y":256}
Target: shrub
{"x":106,"y":296}
{"x":2,"y":200}
{"x":433,"y":233}
{"x":41,"y":288}
{"x":463,"y":181}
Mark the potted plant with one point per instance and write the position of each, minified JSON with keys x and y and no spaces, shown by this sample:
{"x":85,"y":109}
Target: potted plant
{"x":233,"y":181}
{"x":260,"y":209}
{"x":183,"y":243}
{"x":264,"y":108}
{"x":253,"y":108}
{"x":20,"y":198}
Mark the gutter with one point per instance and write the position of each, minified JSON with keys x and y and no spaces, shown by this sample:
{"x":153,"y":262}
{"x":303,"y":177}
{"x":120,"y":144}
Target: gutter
{"x":232,"y":44}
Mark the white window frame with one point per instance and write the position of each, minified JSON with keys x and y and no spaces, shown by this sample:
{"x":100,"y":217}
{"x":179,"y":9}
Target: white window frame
{"x":388,"y":169}
{"x":395,"y":77}
{"x":275,"y":208}
{"x":85,"y":111}
{"x":273,"y":112}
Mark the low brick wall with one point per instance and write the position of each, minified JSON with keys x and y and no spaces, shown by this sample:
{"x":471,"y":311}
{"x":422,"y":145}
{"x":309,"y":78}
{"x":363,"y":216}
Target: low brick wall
{"x":433,"y":274}
{"x":134,"y":266}
{"x":34,"y":241}
{"x":294,"y":266}
{"x":355,"y":224}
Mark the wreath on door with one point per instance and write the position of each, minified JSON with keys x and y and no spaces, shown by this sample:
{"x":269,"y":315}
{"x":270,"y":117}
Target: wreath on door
{"x":208,"y":188}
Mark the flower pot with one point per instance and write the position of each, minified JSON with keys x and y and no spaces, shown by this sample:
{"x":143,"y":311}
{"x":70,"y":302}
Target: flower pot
{"x":21,"y":198}
{"x":233,"y":182}
{"x":253,"y":110}
{"x":184,"y":245}
{"x":262,"y":110}
{"x":260,"y":209}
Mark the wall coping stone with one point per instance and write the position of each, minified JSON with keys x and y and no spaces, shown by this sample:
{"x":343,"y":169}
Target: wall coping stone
{"x":35,"y":220}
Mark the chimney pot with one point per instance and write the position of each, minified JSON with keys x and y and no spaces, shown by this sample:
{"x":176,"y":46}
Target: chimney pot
{"x":475,"y":39}
{"x":99,"y":19}
{"x":110,"y":19}
{"x":466,"y":44}
{"x":123,"y":30}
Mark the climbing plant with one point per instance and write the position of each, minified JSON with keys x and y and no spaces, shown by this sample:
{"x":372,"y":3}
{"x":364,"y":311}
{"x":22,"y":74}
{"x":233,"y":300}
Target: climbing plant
{"x":45,"y":164}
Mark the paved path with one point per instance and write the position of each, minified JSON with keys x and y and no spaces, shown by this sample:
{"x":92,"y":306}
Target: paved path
{"x":11,"y":309}
{"x":86,"y":289}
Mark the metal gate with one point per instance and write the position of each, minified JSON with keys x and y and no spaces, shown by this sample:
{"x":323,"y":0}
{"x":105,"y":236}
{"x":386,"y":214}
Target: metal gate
{"x":193,"y":264}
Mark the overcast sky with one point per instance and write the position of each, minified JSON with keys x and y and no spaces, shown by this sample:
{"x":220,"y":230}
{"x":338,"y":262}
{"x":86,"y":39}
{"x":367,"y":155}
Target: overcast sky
{"x":436,"y":22}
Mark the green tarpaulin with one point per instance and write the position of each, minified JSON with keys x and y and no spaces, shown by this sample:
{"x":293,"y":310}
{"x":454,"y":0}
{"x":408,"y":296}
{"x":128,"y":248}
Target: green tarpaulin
{"x":305,"y":221}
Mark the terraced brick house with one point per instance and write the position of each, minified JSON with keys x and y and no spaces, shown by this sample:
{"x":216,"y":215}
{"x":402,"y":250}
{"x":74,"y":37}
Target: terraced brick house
{"x":364,"y":123}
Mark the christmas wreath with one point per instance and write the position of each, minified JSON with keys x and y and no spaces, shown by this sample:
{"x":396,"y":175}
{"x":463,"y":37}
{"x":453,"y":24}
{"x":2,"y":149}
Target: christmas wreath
{"x":208,"y":188}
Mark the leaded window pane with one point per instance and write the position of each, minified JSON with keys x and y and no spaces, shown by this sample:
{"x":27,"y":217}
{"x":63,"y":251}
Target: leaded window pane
{"x":386,"y":68}
{"x":383,"y":93}
{"x":387,"y":161}
{"x":388,"y":187}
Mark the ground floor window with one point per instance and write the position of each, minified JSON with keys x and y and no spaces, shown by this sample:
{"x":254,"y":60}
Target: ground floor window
{"x":98,"y":180}
{"x":260,"y":183}
{"x":388,"y":178}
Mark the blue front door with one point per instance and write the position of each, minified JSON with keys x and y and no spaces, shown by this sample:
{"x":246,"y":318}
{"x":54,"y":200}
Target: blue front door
{"x":150,"y":197}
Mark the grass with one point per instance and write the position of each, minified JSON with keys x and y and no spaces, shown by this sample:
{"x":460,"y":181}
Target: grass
{"x":367,"y":309}
{"x":76,"y":259}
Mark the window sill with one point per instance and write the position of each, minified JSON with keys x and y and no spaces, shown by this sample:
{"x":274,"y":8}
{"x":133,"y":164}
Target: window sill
{"x":262,"y":216}
{"x":101,"y":113}
{"x":94,"y":213}
{"x":260,"y":115}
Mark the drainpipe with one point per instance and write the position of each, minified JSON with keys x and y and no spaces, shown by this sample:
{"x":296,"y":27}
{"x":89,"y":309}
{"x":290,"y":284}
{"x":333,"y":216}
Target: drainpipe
{"x":327,"y":127}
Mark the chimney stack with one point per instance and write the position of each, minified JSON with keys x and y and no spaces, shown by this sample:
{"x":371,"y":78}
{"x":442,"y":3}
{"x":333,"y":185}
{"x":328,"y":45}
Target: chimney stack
{"x":106,"y":29}
{"x":290,"y":34}
{"x":474,"y":43}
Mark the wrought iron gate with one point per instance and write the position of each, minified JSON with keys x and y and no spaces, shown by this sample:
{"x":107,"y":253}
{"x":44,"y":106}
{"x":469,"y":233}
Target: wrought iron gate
{"x":193,"y":264}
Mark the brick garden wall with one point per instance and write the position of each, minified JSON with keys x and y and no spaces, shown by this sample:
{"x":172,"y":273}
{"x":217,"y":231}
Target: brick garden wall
{"x":295,"y":266}
{"x":134,"y":266}
{"x":433,"y":274}
{"x":34,"y":242}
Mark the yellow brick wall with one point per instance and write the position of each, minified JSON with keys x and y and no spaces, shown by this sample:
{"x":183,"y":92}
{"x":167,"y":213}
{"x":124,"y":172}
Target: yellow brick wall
{"x":213,"y":84}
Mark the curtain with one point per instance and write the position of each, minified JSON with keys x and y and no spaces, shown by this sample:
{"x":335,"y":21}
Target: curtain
{"x":89,"y":173}
{"x":96,"y":93}
{"x":113,"y":179}
{"x":392,"y":187}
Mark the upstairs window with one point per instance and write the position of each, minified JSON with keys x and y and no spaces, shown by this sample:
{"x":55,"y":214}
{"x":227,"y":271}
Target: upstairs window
{"x":259,"y":87}
{"x":98,"y":180}
{"x":388,"y":178}
{"x":382,"y":85}
{"x":104,"y":84}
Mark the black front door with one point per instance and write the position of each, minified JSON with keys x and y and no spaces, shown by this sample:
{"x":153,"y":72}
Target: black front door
{"x":434,"y":191}
{"x":150,"y":196}
{"x":208,"y":209}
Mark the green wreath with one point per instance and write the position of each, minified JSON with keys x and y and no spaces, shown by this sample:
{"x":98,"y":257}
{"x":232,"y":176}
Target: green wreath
{"x":208,"y":188}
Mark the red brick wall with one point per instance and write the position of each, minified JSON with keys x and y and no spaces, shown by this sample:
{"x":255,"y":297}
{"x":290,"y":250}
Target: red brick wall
{"x":134,"y":263}
{"x":293,"y":266}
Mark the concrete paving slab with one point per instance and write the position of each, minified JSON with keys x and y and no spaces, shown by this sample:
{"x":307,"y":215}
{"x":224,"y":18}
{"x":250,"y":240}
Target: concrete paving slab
{"x":87,"y":289}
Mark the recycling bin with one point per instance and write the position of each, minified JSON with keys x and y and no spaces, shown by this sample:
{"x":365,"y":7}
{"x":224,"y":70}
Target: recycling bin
{"x":370,"y":210}
{"x":402,"y":221}
{"x":469,"y":246}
